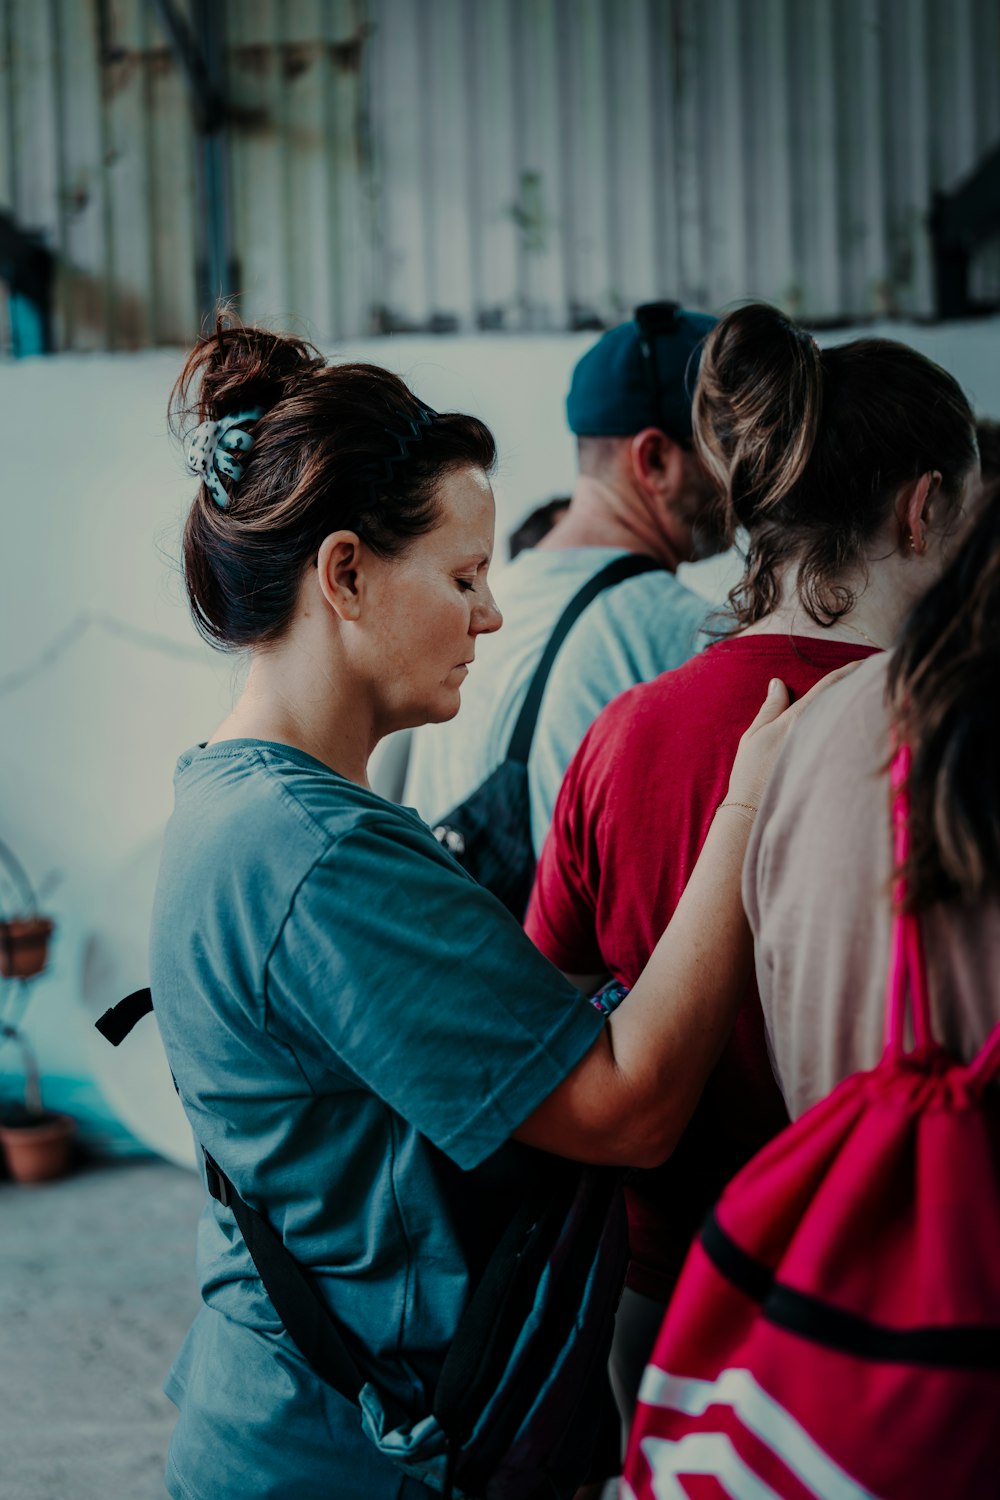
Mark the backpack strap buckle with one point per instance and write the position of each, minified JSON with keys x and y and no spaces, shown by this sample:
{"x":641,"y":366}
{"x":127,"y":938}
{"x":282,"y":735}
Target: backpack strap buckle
{"x":116,"y":1023}
{"x":219,"y":1186}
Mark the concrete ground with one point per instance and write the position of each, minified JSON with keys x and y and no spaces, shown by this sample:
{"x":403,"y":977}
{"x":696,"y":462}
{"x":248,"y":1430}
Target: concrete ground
{"x":97,"y":1289}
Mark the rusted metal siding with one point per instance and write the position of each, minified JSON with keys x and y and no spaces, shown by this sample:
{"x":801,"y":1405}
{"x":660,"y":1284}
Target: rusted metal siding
{"x":499,"y":164}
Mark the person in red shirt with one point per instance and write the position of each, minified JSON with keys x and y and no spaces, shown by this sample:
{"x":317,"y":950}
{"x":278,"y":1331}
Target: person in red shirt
{"x":846,"y":468}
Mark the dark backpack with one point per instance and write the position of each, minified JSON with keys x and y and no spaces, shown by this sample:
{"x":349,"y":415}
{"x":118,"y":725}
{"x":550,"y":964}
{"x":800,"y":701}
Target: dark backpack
{"x":522,"y":1404}
{"x":490,"y":832}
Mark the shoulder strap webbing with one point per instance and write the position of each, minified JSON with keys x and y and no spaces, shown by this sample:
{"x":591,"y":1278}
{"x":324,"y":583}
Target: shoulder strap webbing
{"x":617,"y":571}
{"x":906,"y":988}
{"x":309,"y":1322}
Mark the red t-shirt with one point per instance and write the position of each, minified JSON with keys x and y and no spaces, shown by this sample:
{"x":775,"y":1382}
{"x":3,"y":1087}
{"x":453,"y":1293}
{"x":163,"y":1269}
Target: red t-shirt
{"x":631,"y":817}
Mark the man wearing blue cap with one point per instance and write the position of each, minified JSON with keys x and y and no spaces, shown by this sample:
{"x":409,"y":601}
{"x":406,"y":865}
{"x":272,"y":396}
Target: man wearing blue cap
{"x":639,"y":490}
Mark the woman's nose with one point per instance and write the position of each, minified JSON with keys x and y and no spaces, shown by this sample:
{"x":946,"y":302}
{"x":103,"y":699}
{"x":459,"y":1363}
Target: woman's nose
{"x":487,"y":617}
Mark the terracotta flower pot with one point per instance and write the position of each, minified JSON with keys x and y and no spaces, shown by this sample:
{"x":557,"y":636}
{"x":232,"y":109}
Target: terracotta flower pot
{"x":24,"y":946}
{"x":38,"y":1148}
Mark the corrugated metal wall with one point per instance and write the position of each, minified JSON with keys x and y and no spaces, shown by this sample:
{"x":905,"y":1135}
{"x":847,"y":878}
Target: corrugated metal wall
{"x":508,"y":164}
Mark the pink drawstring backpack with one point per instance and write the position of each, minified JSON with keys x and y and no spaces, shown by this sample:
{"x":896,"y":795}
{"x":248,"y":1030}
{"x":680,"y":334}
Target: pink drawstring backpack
{"x":835,"y":1334}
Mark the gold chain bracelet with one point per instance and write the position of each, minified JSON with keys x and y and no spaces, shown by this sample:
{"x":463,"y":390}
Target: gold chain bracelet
{"x":745,"y":807}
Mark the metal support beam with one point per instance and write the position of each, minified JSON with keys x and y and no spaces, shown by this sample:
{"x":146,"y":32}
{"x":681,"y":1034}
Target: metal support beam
{"x":200,"y":51}
{"x":208,"y":99}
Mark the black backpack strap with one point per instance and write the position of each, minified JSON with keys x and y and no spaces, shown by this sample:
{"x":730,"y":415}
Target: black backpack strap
{"x":116,"y":1023}
{"x":617,"y":571}
{"x":309,"y":1322}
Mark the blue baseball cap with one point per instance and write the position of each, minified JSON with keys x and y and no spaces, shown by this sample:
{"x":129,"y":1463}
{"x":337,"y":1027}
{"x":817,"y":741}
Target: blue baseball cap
{"x":640,"y":374}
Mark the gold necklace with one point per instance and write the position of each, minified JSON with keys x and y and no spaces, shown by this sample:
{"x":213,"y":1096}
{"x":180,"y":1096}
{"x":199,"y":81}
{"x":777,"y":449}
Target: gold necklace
{"x":858,"y":631}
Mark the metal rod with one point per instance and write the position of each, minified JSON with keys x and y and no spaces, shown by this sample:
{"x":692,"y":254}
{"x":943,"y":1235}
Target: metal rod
{"x":200,"y":51}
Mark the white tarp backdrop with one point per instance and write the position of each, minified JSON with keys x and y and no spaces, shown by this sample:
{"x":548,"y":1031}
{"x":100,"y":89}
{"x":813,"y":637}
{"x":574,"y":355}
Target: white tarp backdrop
{"x":92,"y":501}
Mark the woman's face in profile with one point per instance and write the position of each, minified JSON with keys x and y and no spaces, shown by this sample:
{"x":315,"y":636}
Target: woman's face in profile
{"x":431,"y":604}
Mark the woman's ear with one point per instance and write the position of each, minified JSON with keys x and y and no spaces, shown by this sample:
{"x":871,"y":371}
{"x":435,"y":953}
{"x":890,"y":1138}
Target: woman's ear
{"x":338,"y":568}
{"x":914,"y":504}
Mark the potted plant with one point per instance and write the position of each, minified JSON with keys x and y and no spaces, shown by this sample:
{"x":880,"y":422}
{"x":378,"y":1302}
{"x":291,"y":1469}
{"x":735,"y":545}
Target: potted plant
{"x":36,"y":1142}
{"x":24,"y":933}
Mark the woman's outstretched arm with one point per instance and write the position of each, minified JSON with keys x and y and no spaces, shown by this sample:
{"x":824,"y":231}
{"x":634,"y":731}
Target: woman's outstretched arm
{"x":630,"y":1097}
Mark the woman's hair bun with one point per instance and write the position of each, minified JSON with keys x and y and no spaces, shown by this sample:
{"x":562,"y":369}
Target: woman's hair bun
{"x":300,"y":449}
{"x":809,"y":451}
{"x":238,"y":366}
{"x":757,"y":409}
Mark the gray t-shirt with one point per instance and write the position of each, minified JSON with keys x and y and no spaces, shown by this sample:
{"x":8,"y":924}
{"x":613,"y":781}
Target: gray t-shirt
{"x":631,"y":633}
{"x":816,"y":890}
{"x":356,"y":1029}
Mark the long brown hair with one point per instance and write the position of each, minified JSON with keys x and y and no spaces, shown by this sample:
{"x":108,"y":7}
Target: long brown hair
{"x":323,"y":432}
{"x":809,"y":448}
{"x":945,"y":690}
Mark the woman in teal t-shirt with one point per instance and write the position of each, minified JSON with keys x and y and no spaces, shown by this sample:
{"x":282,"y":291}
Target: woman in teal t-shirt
{"x":359,"y":1033}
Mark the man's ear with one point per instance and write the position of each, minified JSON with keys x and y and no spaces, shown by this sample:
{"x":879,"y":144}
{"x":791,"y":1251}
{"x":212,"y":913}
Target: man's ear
{"x":338,"y":569}
{"x":914,"y":503}
{"x":657,"y":461}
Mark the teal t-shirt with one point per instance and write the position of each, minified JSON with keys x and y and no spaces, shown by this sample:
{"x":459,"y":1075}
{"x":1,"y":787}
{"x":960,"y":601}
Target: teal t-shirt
{"x":356,"y":1028}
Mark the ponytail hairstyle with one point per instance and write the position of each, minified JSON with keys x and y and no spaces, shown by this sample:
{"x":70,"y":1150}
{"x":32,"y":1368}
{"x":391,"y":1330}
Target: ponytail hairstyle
{"x":943,"y":681}
{"x":320,"y":448}
{"x":809,"y":447}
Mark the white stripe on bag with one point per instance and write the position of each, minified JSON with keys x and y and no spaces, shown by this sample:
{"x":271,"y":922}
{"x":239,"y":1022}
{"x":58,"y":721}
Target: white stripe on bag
{"x":702,"y":1453}
{"x":762,"y":1415}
